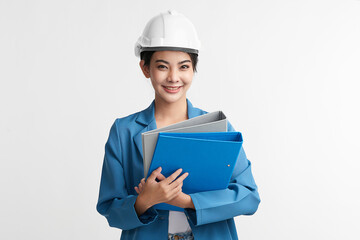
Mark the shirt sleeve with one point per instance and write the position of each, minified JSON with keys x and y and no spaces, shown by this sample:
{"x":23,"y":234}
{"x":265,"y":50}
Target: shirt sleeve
{"x":114,"y":201}
{"x":240,"y":198}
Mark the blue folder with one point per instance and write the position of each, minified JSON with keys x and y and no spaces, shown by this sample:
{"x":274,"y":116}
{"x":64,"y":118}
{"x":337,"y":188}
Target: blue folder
{"x":208,"y":157}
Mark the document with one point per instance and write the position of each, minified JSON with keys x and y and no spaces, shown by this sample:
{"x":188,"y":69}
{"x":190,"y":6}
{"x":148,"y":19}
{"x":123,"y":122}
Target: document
{"x":209,"y":158}
{"x":210,"y":122}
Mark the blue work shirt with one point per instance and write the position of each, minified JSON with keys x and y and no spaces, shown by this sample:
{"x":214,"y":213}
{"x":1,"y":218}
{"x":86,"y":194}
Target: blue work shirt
{"x":123,"y":169}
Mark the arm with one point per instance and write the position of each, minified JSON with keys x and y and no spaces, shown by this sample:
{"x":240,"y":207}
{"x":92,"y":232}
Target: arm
{"x":240,"y":198}
{"x":114,"y":202}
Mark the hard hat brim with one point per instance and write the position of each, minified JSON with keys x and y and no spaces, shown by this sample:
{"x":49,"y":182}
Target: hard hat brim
{"x":187,"y":50}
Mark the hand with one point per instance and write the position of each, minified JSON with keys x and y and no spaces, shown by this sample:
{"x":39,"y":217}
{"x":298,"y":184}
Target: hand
{"x":152,"y":192}
{"x":182,"y":200}
{"x":140,"y":187}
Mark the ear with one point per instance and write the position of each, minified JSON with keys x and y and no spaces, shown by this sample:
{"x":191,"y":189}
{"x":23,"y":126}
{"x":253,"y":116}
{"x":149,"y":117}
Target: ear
{"x":144,"y":69}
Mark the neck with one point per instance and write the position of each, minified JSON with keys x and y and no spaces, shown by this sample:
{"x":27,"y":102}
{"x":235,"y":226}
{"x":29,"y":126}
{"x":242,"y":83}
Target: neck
{"x":169,"y":113}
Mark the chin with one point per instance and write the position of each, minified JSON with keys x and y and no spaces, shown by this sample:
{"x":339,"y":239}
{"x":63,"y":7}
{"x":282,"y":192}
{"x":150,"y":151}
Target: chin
{"x":172,"y":99}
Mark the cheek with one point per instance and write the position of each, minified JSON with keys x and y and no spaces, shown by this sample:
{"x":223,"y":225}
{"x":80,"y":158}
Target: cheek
{"x":188,"y":77}
{"x":156,"y":76}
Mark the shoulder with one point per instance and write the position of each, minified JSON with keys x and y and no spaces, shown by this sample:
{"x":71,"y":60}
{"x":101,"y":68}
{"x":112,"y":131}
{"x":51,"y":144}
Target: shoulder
{"x":126,"y":121}
{"x":194,"y":111}
{"x":230,"y":128}
{"x":199,"y":111}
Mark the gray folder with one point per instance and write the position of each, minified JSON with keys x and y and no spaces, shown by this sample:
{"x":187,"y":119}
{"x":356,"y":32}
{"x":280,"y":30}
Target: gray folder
{"x":210,"y":122}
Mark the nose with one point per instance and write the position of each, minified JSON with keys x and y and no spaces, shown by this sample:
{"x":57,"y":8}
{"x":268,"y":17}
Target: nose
{"x":173,"y":76}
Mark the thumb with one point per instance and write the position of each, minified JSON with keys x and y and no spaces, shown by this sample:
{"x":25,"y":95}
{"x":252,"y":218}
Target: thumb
{"x":154,"y":174}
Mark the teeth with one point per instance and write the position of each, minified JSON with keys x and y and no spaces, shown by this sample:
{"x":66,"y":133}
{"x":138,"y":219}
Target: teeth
{"x":172,"y":88}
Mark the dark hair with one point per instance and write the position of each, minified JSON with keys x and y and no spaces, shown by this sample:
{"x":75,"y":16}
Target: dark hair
{"x":146,"y":56}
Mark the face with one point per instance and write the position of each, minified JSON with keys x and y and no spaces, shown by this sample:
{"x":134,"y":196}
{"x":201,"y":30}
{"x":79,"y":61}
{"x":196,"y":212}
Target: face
{"x":171,"y":75}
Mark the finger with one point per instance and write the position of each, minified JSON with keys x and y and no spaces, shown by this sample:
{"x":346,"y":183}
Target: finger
{"x":137,"y":190}
{"x":179,"y":186}
{"x":180,"y":179}
{"x":161,"y":177}
{"x":173,"y":176}
{"x":142,"y":181}
{"x":176,"y":191}
{"x":154,"y":174}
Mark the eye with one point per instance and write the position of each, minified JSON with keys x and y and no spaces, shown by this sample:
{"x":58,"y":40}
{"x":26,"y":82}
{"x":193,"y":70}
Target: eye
{"x":185,"y":66}
{"x":161,"y":67}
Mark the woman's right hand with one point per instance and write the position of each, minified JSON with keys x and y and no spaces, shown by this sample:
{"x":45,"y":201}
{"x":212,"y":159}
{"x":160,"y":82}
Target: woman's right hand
{"x":154,"y":192}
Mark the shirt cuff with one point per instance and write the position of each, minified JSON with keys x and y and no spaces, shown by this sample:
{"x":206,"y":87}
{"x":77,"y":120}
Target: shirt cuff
{"x":193,"y":215}
{"x":148,"y":216}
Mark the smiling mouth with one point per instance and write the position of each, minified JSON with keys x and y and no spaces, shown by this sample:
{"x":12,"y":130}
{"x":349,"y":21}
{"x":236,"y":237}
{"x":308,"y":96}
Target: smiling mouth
{"x":172,"y":88}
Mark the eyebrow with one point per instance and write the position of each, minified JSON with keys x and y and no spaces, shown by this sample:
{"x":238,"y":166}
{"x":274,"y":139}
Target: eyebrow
{"x":160,"y":60}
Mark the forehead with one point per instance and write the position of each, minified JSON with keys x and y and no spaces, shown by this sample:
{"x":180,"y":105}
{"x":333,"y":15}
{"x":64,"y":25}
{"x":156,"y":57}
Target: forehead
{"x":170,"y":56}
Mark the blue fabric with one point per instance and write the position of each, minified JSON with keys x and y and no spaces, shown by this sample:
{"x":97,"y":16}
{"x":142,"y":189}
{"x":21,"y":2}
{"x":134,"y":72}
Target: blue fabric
{"x":123,"y":169}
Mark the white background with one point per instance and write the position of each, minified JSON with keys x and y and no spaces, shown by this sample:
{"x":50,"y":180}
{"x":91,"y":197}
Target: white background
{"x":286,"y":73}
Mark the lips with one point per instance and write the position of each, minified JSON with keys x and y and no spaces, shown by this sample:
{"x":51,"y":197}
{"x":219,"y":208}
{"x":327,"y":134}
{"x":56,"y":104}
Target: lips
{"x":172,"y":89}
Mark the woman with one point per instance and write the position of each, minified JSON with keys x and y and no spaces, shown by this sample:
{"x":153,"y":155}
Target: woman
{"x":168,"y":50}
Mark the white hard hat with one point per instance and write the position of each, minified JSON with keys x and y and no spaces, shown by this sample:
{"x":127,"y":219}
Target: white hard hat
{"x":168,"y":31}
